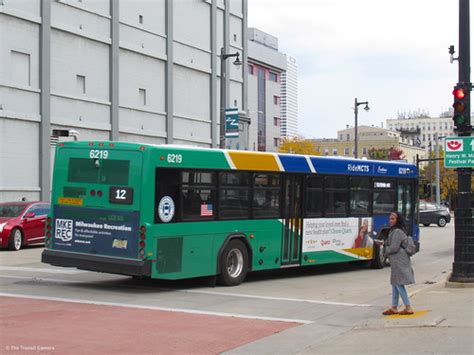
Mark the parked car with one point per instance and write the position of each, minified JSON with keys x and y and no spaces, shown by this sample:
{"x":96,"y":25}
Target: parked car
{"x":433,"y":213}
{"x":22,"y":223}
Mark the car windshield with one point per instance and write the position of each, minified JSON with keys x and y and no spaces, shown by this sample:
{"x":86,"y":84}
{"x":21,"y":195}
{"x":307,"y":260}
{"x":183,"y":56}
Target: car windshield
{"x":10,"y":210}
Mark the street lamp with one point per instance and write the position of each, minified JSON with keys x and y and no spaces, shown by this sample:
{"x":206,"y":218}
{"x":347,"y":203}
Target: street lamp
{"x":224,"y":92}
{"x":356,"y":110}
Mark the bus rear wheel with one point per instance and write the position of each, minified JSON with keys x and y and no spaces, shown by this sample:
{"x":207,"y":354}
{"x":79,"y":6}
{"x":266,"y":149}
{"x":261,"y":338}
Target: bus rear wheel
{"x":233,"y":264}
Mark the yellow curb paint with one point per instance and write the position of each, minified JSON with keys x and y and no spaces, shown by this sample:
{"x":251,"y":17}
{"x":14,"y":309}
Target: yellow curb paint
{"x":417,"y":314}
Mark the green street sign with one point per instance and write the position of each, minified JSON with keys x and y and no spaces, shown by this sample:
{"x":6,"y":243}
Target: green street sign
{"x":459,"y":152}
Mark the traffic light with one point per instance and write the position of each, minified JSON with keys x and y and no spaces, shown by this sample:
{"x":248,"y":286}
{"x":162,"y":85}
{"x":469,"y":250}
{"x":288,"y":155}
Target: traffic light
{"x":461,"y":116}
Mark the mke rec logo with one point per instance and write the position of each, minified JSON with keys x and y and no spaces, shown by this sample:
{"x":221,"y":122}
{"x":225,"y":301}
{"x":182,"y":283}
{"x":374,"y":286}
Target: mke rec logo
{"x":455,"y":145}
{"x":64,"y":229}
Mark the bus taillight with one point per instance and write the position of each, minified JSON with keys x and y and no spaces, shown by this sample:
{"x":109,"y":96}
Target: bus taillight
{"x":47,"y":239}
{"x":142,"y":244}
{"x":92,"y":192}
{"x":99,"y":193}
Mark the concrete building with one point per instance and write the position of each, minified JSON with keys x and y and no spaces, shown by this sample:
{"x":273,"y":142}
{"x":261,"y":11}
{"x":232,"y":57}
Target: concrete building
{"x":424,"y":131}
{"x":289,"y":99}
{"x":265,"y":68}
{"x":126,"y":70}
{"x":369,"y":138}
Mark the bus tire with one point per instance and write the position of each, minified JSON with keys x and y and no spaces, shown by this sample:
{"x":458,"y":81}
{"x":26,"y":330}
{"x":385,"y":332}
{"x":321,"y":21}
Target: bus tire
{"x":379,"y":260}
{"x":233,"y":264}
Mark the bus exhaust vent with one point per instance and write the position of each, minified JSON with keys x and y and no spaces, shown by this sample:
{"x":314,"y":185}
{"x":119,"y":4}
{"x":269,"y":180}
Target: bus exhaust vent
{"x":169,"y":255}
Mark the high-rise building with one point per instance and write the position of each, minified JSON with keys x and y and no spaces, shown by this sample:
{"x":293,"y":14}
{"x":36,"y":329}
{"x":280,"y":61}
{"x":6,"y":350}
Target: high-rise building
{"x":146,"y":71}
{"x":289,"y":99}
{"x":273,"y":98}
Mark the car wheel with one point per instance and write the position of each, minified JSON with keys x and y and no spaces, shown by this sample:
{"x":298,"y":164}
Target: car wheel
{"x":234,"y":263}
{"x":442,"y":222}
{"x":426,"y":224}
{"x":16,"y":240}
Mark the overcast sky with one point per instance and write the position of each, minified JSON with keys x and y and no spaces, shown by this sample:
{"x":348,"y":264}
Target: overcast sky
{"x":393,"y":53}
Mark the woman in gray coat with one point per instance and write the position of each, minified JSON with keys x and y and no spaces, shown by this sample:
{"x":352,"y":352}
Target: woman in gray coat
{"x":401,"y":273}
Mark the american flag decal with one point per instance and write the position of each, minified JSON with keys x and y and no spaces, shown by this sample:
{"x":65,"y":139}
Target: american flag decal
{"x":206,"y":210}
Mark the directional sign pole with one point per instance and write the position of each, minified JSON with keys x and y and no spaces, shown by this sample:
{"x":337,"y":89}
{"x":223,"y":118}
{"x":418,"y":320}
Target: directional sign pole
{"x":463,"y":265}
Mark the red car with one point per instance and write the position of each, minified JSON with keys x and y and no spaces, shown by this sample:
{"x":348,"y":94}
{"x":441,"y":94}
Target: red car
{"x":22,"y":223}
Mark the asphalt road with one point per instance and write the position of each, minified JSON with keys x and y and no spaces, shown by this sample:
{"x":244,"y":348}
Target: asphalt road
{"x":267,"y":302}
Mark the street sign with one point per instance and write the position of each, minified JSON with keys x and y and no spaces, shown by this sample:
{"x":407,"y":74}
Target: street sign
{"x":459,"y":152}
{"x":232,"y":122}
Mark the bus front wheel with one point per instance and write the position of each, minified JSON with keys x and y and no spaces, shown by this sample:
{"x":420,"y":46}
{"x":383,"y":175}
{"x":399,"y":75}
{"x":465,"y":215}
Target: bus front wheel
{"x":380,"y":259}
{"x":233,"y":264}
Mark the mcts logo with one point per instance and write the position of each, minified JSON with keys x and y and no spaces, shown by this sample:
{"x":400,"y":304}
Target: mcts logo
{"x":64,"y":229}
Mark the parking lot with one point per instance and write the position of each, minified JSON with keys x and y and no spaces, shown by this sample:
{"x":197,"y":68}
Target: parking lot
{"x":67,"y":310}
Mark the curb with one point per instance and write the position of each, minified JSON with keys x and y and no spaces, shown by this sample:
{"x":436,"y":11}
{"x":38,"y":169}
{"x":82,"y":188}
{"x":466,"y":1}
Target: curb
{"x":452,"y":284}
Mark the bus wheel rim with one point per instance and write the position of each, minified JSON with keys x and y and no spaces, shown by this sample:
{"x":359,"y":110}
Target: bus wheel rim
{"x":235,"y":263}
{"x":17,"y":239}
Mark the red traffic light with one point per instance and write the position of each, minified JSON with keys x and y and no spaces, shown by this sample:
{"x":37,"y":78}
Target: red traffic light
{"x":459,"y":93}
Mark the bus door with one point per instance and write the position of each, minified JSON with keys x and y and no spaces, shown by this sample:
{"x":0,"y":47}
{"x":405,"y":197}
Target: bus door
{"x":292,"y":220}
{"x":406,"y":203}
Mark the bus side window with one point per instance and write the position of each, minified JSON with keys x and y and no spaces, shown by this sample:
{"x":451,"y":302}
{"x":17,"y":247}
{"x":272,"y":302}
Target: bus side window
{"x":167,"y":184}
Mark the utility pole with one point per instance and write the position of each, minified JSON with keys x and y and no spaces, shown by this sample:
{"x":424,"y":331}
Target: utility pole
{"x":463,"y":265}
{"x":437,"y":170}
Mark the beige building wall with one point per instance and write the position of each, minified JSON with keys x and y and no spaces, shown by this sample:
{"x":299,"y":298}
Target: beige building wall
{"x":369,"y":137}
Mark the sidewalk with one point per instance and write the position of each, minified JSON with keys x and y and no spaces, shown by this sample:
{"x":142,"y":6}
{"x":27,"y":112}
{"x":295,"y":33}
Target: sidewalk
{"x":443,"y":324}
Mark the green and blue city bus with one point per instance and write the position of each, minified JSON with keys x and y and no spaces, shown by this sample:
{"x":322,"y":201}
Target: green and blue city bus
{"x":173,"y":212}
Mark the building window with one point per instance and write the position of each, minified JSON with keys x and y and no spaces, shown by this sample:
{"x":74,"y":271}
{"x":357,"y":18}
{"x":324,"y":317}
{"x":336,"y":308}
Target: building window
{"x":334,"y":151}
{"x":21,"y":68}
{"x":273,"y":76}
{"x":348,"y":136}
{"x":81,"y":84}
{"x":235,"y":37}
{"x":276,"y":100}
{"x":142,"y":96}
{"x":140,"y":19}
{"x":235,"y":103}
{"x":276,"y":142}
{"x":251,"y":69}
{"x":346,"y":151}
{"x":326,"y":151}
{"x":276,"y":121}
{"x":364,"y":151}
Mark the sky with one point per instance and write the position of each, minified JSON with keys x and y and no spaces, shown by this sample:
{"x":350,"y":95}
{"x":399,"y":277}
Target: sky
{"x":392,"y":53}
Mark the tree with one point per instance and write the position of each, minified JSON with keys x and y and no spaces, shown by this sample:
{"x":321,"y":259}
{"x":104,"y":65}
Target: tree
{"x":297,"y":145}
{"x":386,"y":154}
{"x":396,"y":154}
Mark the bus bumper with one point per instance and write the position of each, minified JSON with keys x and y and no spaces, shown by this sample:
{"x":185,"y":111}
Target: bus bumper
{"x":98,"y":263}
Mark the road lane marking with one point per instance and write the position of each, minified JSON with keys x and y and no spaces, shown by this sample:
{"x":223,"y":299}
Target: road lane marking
{"x":33,"y":278}
{"x":166,"y":309}
{"x":33,"y":269}
{"x":330,"y":303}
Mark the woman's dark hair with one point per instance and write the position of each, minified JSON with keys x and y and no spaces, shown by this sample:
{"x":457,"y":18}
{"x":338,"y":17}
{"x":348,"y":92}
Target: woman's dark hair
{"x":400,"y":221}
